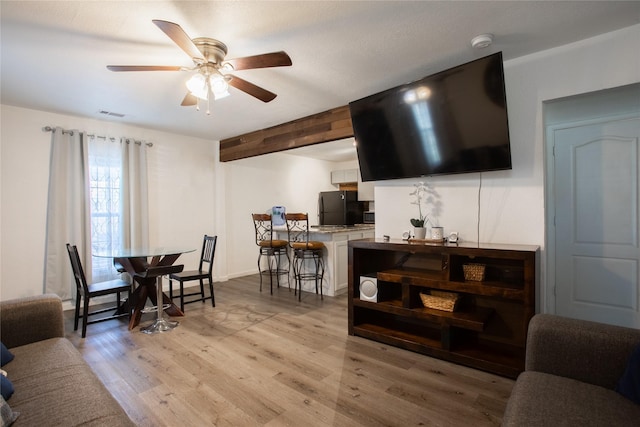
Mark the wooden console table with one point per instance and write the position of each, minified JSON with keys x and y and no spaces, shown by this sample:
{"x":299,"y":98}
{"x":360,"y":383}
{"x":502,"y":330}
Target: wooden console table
{"x":488,"y":330}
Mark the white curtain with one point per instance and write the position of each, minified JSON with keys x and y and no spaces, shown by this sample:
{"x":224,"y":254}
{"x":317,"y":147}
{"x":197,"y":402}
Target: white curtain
{"x":69,"y":202}
{"x":135,"y":203}
{"x":67,"y":210}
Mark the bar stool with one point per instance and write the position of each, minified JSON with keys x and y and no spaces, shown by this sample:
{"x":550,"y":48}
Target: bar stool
{"x":272,"y":248}
{"x":304,"y":250}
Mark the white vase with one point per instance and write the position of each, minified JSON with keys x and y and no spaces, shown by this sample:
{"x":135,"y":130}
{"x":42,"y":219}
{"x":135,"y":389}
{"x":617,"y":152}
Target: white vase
{"x":419,"y":232}
{"x":437,"y":233}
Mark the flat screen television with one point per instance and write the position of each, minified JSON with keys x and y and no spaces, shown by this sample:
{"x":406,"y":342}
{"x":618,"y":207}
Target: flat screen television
{"x":454,"y":121}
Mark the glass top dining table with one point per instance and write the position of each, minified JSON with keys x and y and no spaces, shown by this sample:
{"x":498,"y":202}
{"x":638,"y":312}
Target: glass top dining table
{"x":145,"y":252}
{"x":148,"y":274}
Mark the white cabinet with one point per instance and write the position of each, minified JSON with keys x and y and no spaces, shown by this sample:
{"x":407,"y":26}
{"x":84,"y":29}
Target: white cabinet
{"x":348,"y":176}
{"x":351,"y":175}
{"x":342,"y":266}
{"x":337,"y":177}
{"x":341,"y":258}
{"x":336,"y":259}
{"x":344,"y":176}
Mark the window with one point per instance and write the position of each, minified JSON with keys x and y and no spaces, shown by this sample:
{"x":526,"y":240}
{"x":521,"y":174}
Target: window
{"x":105,"y":175}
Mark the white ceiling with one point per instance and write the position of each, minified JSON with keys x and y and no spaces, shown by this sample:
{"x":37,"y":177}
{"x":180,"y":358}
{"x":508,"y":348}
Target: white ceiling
{"x":54,"y":53}
{"x":342,"y":150}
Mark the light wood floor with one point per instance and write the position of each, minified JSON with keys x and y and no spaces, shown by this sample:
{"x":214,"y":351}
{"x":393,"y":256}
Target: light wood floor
{"x":262,"y":360}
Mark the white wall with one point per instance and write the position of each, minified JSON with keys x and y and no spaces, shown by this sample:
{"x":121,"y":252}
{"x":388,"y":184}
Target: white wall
{"x":256,"y":184}
{"x":181,"y":191}
{"x":512,"y":202}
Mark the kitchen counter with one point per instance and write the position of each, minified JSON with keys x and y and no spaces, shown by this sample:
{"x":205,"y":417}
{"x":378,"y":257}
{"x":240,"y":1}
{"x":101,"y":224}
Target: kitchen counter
{"x":335,"y":254}
{"x":329,"y":229}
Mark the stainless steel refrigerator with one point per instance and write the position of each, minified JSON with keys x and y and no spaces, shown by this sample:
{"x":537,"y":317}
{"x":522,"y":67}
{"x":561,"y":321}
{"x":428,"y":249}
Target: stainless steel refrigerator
{"x":340,"y":208}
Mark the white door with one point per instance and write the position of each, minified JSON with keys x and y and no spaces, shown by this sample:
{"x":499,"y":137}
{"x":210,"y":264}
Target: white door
{"x":596,"y":170}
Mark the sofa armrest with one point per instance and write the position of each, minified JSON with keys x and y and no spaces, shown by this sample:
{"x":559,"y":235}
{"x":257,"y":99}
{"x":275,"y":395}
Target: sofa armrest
{"x":30,"y":319}
{"x":591,"y":352}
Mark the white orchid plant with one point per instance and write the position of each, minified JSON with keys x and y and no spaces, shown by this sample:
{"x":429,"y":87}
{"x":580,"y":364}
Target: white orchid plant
{"x":419,"y":197}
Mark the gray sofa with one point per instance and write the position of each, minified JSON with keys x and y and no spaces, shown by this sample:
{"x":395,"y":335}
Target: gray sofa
{"x":53,"y":384}
{"x":571,"y":370}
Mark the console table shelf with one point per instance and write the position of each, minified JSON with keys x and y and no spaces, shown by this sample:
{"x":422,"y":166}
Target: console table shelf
{"x":502,"y":360}
{"x":428,"y":279}
{"x":473,"y":319}
{"x":488,"y":328}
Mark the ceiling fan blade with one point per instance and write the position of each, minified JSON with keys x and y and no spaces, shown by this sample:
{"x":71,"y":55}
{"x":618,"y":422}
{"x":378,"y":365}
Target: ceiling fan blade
{"x":253,"y":90}
{"x":273,"y":59}
{"x":189,"y":100}
{"x":143,"y":68}
{"x":179,"y":37}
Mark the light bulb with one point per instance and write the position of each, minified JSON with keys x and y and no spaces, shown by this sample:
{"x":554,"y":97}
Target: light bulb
{"x":219,"y":86}
{"x":197,"y":85}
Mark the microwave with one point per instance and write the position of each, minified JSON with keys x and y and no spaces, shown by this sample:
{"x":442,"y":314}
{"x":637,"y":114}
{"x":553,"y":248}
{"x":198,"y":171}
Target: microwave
{"x":369,"y":217}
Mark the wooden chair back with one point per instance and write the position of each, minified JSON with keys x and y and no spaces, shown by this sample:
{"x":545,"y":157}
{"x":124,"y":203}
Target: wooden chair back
{"x":78,"y":271}
{"x":208,"y":252}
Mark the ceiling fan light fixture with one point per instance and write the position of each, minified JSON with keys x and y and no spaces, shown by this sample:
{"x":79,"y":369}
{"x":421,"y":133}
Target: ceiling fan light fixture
{"x":208,"y":56}
{"x":197,"y":85}
{"x":219,"y":95}
{"x":219,"y":86}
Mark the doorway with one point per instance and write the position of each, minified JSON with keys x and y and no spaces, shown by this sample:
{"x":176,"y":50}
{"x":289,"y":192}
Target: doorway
{"x":593,"y":181}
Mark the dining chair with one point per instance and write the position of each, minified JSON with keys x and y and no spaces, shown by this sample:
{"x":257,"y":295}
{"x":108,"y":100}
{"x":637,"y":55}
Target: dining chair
{"x":85,"y":292}
{"x":272,"y":248}
{"x":203,"y":272}
{"x":304,"y":250}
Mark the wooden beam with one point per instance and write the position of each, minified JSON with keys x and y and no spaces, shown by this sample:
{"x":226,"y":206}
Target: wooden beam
{"x":327,"y":126}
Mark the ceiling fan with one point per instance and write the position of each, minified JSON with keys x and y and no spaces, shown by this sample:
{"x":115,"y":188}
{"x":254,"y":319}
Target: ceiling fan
{"x":212,"y":75}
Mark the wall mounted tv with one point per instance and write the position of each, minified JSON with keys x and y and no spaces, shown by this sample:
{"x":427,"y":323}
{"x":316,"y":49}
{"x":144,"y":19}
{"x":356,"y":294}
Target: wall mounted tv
{"x":454,"y":121}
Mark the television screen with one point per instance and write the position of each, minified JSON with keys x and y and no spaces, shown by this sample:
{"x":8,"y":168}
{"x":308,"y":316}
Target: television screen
{"x":451,"y":122}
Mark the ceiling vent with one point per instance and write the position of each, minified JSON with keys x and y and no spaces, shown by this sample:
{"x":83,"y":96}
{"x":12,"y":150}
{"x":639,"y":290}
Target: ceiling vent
{"x":110,"y":113}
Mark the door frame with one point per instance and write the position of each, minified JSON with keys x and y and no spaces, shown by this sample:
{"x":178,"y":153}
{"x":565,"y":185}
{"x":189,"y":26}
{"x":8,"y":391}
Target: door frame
{"x":547,"y":293}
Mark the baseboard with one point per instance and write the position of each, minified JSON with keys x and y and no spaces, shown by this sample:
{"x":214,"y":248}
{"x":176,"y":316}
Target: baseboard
{"x":242,"y":274}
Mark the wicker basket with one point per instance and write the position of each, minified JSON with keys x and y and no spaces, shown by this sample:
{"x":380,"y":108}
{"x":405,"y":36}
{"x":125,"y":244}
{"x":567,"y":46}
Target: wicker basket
{"x":445,"y":301}
{"x":473,"y":272}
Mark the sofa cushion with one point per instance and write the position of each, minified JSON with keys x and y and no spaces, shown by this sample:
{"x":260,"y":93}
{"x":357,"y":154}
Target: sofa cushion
{"x":5,"y":355}
{"x":6,"y":387}
{"x":629,"y":384}
{"x":54,"y":386}
{"x":538,"y":398}
{"x":7,"y":415}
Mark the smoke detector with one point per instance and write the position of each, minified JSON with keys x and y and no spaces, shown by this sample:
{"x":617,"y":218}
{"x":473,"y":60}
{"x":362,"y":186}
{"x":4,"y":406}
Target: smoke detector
{"x":482,"y":41}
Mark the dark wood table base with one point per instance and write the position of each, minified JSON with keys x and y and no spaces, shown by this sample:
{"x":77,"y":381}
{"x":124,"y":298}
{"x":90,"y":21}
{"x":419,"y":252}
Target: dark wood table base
{"x":145,"y":274}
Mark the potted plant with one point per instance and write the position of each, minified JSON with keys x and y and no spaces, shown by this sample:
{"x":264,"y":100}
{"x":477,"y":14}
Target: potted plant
{"x":419,"y":197}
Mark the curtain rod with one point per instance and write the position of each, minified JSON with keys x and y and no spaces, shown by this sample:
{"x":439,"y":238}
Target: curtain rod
{"x":70,"y":132}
